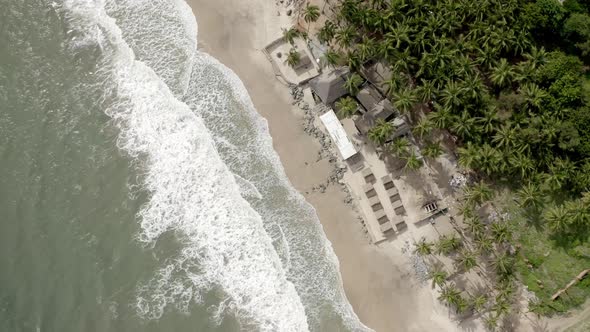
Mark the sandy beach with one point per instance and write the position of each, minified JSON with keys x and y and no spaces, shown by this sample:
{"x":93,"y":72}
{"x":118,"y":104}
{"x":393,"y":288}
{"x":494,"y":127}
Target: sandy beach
{"x":379,"y":285}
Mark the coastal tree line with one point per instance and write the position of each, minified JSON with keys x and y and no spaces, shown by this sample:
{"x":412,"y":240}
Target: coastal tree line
{"x":506,"y":82}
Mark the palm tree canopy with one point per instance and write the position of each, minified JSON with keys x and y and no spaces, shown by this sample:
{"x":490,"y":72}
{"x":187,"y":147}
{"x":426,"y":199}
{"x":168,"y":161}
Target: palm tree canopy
{"x":400,"y":146}
{"x":413,"y":163}
{"x":432,"y":150}
{"x":290,"y":34}
{"x":352,"y":83}
{"x":346,"y":107}
{"x":293,"y":57}
{"x":311,"y":13}
{"x":380,"y":132}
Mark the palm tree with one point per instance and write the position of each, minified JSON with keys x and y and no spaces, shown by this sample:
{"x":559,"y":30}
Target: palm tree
{"x":451,"y":296}
{"x":404,"y":100}
{"x":533,"y":94}
{"x":452,"y":93}
{"x":489,"y":159}
{"x":447,"y":244}
{"x":473,"y":225}
{"x":346,"y":107}
{"x":466,"y":260}
{"x":293,"y":58}
{"x":441,"y":118}
{"x":501,"y":308}
{"x":506,"y":136}
{"x":522,"y":164}
{"x":423,"y":127}
{"x":464,"y":126}
{"x":432,"y":150}
{"x":468,"y":156}
{"x":557,"y":218}
{"x":500,"y":232}
{"x":484,"y":245}
{"x":380,"y":132}
{"x":331,"y":57}
{"x":479,"y":193}
{"x":426,"y":91}
{"x":530,"y":196}
{"x":345,"y":36}
{"x":488,"y":120}
{"x":423,"y":248}
{"x":366,"y":49}
{"x":537,"y":57}
{"x":491,"y":322}
{"x":311,"y":13}
{"x":327,"y":32}
{"x":290,"y":34}
{"x":502,"y":73}
{"x":478,"y":302}
{"x":503,"y":264}
{"x":352,"y":83}
{"x":353,"y":60}
{"x":413,"y":163}
{"x":399,"y":146}
{"x":438,"y":276}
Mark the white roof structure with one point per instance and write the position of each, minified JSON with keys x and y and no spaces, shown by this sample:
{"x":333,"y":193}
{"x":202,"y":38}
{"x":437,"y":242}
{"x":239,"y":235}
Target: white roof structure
{"x":338,"y":134}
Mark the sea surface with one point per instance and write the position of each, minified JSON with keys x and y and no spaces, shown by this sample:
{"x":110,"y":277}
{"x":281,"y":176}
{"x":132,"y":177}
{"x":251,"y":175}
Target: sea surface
{"x":139,"y":190}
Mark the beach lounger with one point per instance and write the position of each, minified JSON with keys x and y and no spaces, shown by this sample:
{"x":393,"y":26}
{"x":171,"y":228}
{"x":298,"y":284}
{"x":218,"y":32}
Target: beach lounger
{"x":398,"y":207}
{"x":386,"y":228}
{"x":381,"y":217}
{"x":375,"y":203}
{"x":369,"y":190}
{"x":401,"y":225}
{"x":387,"y":182}
{"x":394,"y":196}
{"x":368,"y":175}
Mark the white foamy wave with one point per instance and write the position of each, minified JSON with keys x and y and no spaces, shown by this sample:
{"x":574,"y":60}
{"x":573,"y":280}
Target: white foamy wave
{"x":245,"y":145}
{"x":162,"y":33}
{"x":192,"y":193}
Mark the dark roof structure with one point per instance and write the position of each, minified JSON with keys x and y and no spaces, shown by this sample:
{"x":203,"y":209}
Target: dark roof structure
{"x":329,"y":86}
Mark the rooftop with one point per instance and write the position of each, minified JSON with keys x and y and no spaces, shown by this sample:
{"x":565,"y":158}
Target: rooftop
{"x":329,"y":86}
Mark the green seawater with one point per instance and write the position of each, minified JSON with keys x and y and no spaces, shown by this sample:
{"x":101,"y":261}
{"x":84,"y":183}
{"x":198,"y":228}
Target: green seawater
{"x":69,"y":258}
{"x":139,"y":190}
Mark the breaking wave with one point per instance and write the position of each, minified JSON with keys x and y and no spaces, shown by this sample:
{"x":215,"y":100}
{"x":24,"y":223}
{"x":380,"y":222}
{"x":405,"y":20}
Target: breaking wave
{"x":213,"y":180}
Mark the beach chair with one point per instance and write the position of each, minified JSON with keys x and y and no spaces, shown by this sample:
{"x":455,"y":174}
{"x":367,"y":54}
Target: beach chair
{"x":375,"y":203}
{"x":398,"y":207}
{"x":369,"y":190}
{"x":387,"y":182}
{"x":401,"y":225}
{"x":384,"y":224}
{"x":369,"y":176}
{"x":393,"y":195}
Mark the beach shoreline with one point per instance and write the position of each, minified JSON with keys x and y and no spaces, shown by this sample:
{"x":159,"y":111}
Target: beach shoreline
{"x":379,"y":285}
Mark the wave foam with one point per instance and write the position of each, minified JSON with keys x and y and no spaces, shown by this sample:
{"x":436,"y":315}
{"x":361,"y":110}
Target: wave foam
{"x":192,"y":193}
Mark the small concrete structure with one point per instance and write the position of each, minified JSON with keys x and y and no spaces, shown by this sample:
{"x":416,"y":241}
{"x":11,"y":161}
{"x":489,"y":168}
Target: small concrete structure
{"x":277,"y":52}
{"x":329,"y":86}
{"x":338,"y":135}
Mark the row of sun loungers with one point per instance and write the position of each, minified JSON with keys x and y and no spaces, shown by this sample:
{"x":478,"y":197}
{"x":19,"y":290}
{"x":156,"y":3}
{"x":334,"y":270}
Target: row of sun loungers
{"x":385,"y":225}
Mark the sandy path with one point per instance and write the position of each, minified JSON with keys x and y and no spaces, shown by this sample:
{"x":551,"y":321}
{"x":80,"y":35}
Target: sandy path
{"x":234,"y":31}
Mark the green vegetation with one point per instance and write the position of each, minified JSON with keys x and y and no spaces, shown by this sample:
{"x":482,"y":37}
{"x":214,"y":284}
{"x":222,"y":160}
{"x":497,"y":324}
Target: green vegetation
{"x":293,"y":58}
{"x":507,"y":79}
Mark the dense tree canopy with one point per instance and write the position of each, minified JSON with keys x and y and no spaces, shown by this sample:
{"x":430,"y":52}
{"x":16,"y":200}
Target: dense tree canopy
{"x":505,"y":77}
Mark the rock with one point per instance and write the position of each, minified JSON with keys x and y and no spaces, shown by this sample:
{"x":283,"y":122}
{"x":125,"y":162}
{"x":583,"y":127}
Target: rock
{"x":289,"y":12}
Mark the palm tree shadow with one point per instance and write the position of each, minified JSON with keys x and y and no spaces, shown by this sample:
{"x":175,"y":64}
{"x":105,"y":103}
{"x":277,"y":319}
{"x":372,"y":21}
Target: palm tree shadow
{"x":533,"y":218}
{"x":441,"y":177}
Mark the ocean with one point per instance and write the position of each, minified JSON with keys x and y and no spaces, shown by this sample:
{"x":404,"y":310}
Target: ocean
{"x":139,"y":190}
